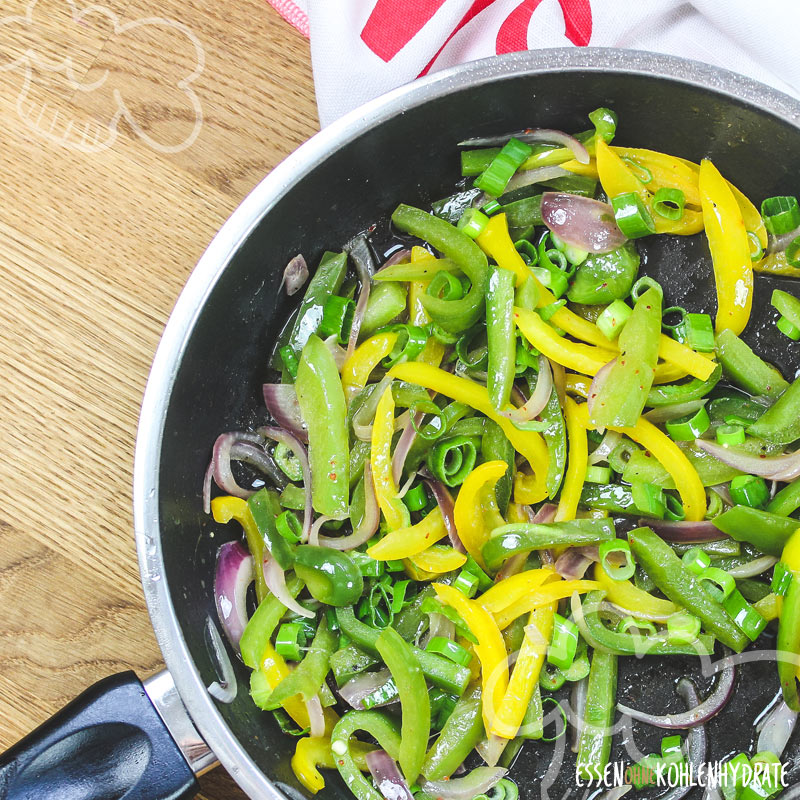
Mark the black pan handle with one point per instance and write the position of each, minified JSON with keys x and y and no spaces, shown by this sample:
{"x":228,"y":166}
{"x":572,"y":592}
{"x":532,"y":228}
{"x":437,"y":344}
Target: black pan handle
{"x":112,"y":741}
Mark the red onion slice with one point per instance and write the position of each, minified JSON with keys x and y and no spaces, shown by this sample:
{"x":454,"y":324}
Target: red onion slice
{"x":398,"y":257}
{"x":223,"y":454}
{"x":533,"y":136}
{"x":363,"y":418}
{"x":574,"y":561}
{"x":605,"y":448}
{"x":316,"y":717}
{"x":296,"y":446}
{"x":275,"y":579}
{"x":391,"y":784}
{"x":339,"y":353}
{"x":356,"y":689}
{"x":777,"y":729}
{"x":752,"y":568}
{"x":404,"y":443}
{"x":295,"y":274}
{"x":358,"y":250}
{"x":724,"y":491}
{"x":281,"y":402}
{"x":446,"y":505}
{"x":776,"y":468}
{"x":665,"y":413}
{"x":234,"y":573}
{"x":675,"y":531}
{"x":582,"y":222}
{"x":699,"y":714}
{"x":580,"y":690}
{"x":529,"y":177}
{"x":539,"y":397}
{"x":226,"y":687}
{"x":440,"y":626}
{"x":368,"y":525}
{"x":479,"y":781}
{"x":207,"y":478}
{"x":598,"y":382}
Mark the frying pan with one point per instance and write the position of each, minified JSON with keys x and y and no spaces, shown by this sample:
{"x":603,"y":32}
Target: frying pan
{"x":121,"y":739}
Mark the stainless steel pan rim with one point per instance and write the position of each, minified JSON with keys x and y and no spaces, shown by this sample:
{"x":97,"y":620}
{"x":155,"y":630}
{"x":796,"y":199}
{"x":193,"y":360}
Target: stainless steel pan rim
{"x":258,"y":203}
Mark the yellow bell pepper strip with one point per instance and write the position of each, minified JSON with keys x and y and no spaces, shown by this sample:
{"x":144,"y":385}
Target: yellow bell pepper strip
{"x":433,"y":352}
{"x":578,"y":385}
{"x":543,"y":596}
{"x":496,"y":242}
{"x":475,"y":511}
{"x":576,"y":168}
{"x":491,"y":649}
{"x":631,"y":597}
{"x":511,"y":589}
{"x":437,"y":560}
{"x":584,"y":358}
{"x":617,"y":178}
{"x":730,"y":250}
{"x":776,"y":264}
{"x":576,"y":465}
{"x":272,"y":671}
{"x":392,"y":506}
{"x":357,"y":369}
{"x":671,"y":457}
{"x":405,"y":542}
{"x":309,"y":754}
{"x":226,"y":508}
{"x":529,"y":443}
{"x":667,"y":171}
{"x":525,"y":674}
{"x":788,"y":644}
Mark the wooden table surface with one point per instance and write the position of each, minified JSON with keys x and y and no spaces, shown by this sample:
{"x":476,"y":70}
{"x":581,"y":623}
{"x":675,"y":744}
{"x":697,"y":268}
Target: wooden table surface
{"x":127,"y":137}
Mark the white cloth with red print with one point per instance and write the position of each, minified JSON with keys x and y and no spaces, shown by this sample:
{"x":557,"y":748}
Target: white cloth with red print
{"x":362,"y":48}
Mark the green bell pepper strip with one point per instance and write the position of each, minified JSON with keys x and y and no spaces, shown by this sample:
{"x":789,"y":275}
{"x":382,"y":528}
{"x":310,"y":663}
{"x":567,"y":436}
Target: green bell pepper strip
{"x":611,"y":497}
{"x":331,"y":576}
{"x":745,"y":409}
{"x":788,"y":644}
{"x":377,"y":725}
{"x":322,"y":404}
{"x":745,"y":369}
{"x":786,"y":501}
{"x":524,"y":213}
{"x":325,"y":282}
{"x":415,"y":270}
{"x":453,"y":316}
{"x":440,"y":671}
{"x":532,"y":726}
{"x":359,"y":454}
{"x":462,"y":731}
{"x":605,"y":277}
{"x":644,"y":467}
{"x":683,"y":588}
{"x":265,"y":506}
{"x":386,"y":302}
{"x":555,"y":437}
{"x":716,"y":548}
{"x":262,"y":624}
{"x":349,"y":661}
{"x":669,"y":393}
{"x":307,"y":677}
{"x":601,"y":701}
{"x":414,"y":701}
{"x":626,"y":644}
{"x":780,"y":424}
{"x":522,"y":537}
{"x":496,"y":447}
{"x":500,"y":335}
{"x":622,"y":396}
{"x":767,"y":531}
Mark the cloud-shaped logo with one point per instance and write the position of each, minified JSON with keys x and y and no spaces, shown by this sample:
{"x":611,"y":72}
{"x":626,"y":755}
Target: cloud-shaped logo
{"x":106,"y":94}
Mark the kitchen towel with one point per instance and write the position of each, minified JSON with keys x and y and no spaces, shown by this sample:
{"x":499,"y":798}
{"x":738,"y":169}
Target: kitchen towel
{"x":362,"y":48}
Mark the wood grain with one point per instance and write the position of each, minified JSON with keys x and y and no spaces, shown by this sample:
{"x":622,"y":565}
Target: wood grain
{"x":98,"y":233}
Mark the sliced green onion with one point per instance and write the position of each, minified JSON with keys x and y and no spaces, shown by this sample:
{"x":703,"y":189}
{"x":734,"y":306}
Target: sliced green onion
{"x":649,"y":499}
{"x":547,"y":311}
{"x":337,"y":317}
{"x":682,"y":628}
{"x":669,"y":203}
{"x":642,"y":173}
{"x":495,"y":177}
{"x":792,"y":252}
{"x":411,"y":341}
{"x":445,"y":286}
{"x":619,"y":456}
{"x":696,"y":560}
{"x":781,"y":579}
{"x":472,"y":566}
{"x":289,"y":359}
{"x":554,"y":279}
{"x":671,"y":749}
{"x":472,"y":359}
{"x":473,"y":222}
{"x":679,"y":310}
{"x":641,"y":625}
{"x":491,"y":207}
{"x":466,"y":583}
{"x":615,"y":572}
{"x":744,"y":615}
{"x":289,"y":526}
{"x":613,"y":318}
{"x":367,"y":566}
{"x":552,"y":258}
{"x":290,"y":638}
{"x":717,"y":583}
{"x":788,"y":328}
{"x":563,"y":713}
{"x":674,"y":508}
{"x":696,"y":331}
{"x":643,"y":284}
{"x":288,"y":462}
{"x":756,"y":248}
{"x":528,"y":251}
{"x":450,"y":650}
{"x":749,"y":490}
{"x":416,"y":498}
{"x":632,"y":216}
{"x":605,"y":123}
{"x":780,"y":214}
{"x":399,"y":590}
{"x":574,"y":255}
{"x":563,"y":644}
{"x":690,"y":426}
{"x":598,"y":474}
{"x":715,"y":506}
{"x":527,"y":356}
{"x":730,"y":435}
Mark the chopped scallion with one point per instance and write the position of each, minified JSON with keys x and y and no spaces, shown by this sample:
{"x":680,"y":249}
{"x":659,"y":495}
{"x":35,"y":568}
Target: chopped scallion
{"x":613,"y":318}
{"x":632,"y":216}
{"x":690,"y":426}
{"x":289,"y":640}
{"x":696,"y":560}
{"x":495,"y":177}
{"x":718,"y":583}
{"x":780,"y":214}
{"x":617,"y":548}
{"x":696,"y":331}
{"x":473,"y":222}
{"x":564,"y":643}
{"x":682,"y":628}
{"x":669,"y":202}
{"x":730,"y":435}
